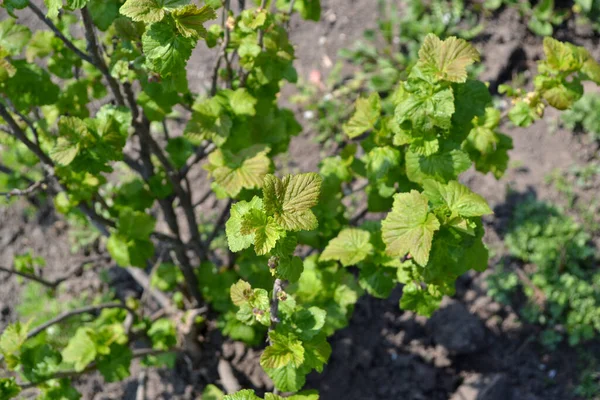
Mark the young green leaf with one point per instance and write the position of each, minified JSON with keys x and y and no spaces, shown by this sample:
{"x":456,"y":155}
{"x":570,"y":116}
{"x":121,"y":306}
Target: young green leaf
{"x":245,"y":170}
{"x":365,"y":117}
{"x":189,"y":20}
{"x":291,"y":198}
{"x":9,"y":388}
{"x":458,"y":198}
{"x":149,"y":11}
{"x":284,"y":350}
{"x":81,"y":349}
{"x":115,"y":366}
{"x":409,"y":227}
{"x":13,"y":37}
{"x":240,"y":292}
{"x":446,"y":59}
{"x":350,"y":247}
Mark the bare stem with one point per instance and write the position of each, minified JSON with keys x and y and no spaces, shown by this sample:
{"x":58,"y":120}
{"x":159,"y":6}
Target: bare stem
{"x":96,"y":56}
{"x":277,"y":288}
{"x":25,"y":192}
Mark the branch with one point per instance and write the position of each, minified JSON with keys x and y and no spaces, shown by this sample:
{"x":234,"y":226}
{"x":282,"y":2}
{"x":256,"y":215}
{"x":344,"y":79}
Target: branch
{"x":97,"y":59}
{"x":222,"y":50}
{"x":20,"y":134}
{"x":28,"y":276}
{"x":277,"y":288}
{"x":201,"y":152}
{"x":58,"y":33}
{"x":25,"y":192}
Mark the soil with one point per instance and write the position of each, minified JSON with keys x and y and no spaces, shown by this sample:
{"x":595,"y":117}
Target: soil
{"x":472,"y":348}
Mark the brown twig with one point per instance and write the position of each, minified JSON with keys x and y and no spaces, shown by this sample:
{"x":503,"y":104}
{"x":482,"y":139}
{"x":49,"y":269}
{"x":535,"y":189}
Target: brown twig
{"x":277,"y":288}
{"x":25,"y":192}
{"x":222,"y":50}
{"x":97,"y":60}
{"x":55,"y":283}
{"x":199,"y":155}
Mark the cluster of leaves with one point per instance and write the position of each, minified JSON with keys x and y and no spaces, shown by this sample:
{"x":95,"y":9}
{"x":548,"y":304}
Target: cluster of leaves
{"x":563,"y":257}
{"x":558,"y":84}
{"x":382,"y":59}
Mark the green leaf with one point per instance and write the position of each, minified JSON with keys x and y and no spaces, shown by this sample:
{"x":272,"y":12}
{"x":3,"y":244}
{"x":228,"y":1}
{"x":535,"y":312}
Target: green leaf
{"x":264,"y":228}
{"x":163,"y":334}
{"x":309,"y":321}
{"x":166,"y":277}
{"x":446,"y":59}
{"x":522,"y":114}
{"x":39,"y":362}
{"x":350,"y":247}
{"x":211,"y":392}
{"x":30,"y":86}
{"x":290,"y":269}
{"x":149,"y":11}
{"x":13,"y":37}
{"x":166,"y":51}
{"x":284,"y":350}
{"x":458,"y":198}
{"x":564,"y":57}
{"x":179,"y":149}
{"x":115,"y":366}
{"x":291,"y":198}
{"x":242,"y":102}
{"x":365,"y":117}
{"x":11,"y":341}
{"x":81,"y":350}
{"x":309,"y":9}
{"x":119,"y":250}
{"x":233,"y":227}
{"x":71,"y":130}
{"x":245,"y":394}
{"x":288,"y":378}
{"x":426,"y":110}
{"x":316,"y":353}
{"x":240,"y":292}
{"x":11,"y":5}
{"x":135,"y":224}
{"x":53,"y":6}
{"x":245,"y":170}
{"x":377,"y":280}
{"x":189,"y":20}
{"x":9,"y":388}
{"x":409,"y":227}
{"x":443,"y":166}
{"x":104,"y":12}
{"x":381,"y":161}
{"x":418,"y":300}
